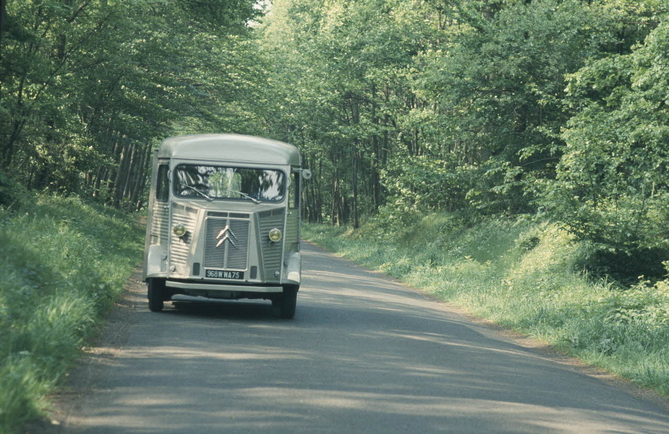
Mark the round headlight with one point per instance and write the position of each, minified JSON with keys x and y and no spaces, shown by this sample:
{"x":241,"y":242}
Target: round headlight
{"x":275,"y":235}
{"x":179,"y":230}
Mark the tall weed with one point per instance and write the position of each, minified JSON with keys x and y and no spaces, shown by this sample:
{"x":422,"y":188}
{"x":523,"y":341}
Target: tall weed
{"x":62,"y":263}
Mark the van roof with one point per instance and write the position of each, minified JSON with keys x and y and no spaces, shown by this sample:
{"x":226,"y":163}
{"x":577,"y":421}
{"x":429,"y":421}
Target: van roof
{"x":229,"y":147}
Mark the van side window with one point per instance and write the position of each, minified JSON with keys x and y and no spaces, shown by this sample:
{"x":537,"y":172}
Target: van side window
{"x":294,"y":192}
{"x":163,"y":187}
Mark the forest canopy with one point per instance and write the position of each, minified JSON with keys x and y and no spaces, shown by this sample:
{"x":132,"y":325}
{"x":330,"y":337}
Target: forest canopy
{"x":87,"y":87}
{"x":556,"y":109}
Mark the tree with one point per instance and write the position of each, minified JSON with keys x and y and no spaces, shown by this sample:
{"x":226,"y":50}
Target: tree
{"x":474,"y":86}
{"x":87,"y":88}
{"x":612,"y":187}
{"x":499,"y":82}
{"x":344,"y":88}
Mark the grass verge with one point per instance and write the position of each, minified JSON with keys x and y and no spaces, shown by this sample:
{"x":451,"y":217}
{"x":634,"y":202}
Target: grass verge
{"x":524,"y":276}
{"x":62,"y":263}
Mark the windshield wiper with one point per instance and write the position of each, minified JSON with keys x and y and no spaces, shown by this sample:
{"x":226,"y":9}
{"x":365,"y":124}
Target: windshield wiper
{"x":209,"y":198}
{"x":200,"y":192}
{"x":241,"y":193}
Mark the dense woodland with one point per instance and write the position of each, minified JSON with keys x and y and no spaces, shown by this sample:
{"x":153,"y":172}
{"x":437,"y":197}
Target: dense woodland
{"x":555,"y":109}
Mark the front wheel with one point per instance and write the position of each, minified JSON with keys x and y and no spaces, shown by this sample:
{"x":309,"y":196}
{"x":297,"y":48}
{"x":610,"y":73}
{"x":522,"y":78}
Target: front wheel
{"x":287,"y":302}
{"x":156,"y":294}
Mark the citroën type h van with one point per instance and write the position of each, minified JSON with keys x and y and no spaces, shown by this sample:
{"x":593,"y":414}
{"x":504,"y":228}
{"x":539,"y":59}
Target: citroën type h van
{"x":224,"y":220}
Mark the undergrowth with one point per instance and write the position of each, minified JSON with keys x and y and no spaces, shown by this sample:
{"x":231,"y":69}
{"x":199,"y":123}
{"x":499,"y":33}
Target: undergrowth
{"x":525,"y":276}
{"x":62,"y":263}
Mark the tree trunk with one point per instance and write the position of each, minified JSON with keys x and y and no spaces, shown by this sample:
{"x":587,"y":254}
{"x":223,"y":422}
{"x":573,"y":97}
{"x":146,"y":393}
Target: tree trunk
{"x":3,"y":19}
{"x":354,"y":186}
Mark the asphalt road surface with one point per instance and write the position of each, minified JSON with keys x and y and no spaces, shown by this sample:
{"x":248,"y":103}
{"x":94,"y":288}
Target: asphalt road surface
{"x":364,"y":354}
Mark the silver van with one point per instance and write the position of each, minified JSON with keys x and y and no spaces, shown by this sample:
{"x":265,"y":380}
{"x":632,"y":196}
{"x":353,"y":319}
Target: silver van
{"x":224,"y":220}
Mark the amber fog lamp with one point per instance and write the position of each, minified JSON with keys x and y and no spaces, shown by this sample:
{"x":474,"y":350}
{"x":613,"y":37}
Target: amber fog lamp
{"x":179,"y":230}
{"x":275,"y":235}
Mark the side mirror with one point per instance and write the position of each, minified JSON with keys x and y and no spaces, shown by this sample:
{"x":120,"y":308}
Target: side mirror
{"x":306,"y":174}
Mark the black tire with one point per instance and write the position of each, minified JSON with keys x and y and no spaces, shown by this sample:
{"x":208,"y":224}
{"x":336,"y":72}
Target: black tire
{"x":156,"y":294}
{"x":287,"y":303}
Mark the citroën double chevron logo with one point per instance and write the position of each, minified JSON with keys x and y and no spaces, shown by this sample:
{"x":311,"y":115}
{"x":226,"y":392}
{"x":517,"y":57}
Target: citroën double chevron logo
{"x":226,"y":235}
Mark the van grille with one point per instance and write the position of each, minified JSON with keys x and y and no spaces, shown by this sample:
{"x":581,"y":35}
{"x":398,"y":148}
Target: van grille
{"x":227,"y":243}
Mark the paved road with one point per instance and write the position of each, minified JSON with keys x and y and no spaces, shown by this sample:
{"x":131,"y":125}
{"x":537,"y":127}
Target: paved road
{"x":364,"y":354}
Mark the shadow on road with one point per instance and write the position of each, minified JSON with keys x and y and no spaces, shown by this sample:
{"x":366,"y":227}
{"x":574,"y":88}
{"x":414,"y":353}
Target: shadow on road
{"x":364,"y":354}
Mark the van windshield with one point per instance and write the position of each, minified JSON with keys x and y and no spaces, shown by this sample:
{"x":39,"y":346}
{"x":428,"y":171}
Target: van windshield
{"x":219,"y":182}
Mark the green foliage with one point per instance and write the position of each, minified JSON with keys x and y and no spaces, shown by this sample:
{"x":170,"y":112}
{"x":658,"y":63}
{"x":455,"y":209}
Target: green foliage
{"x":399,"y":106}
{"x":402,"y":109}
{"x":425,"y":184}
{"x":611,"y":186}
{"x":62,"y":264}
{"x":500,"y":84}
{"x":343,"y":88}
{"x":86,"y":90}
{"x":458,"y":106}
{"x":482,"y":108}
{"x":220,"y":14}
{"x":12,"y":193}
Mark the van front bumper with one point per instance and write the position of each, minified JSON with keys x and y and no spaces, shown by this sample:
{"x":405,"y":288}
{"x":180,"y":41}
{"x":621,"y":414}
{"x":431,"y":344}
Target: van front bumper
{"x":194,"y":286}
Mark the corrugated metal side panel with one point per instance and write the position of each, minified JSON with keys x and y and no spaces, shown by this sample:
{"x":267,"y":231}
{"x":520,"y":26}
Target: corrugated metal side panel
{"x":271,"y":252}
{"x":160,"y":224}
{"x":180,"y":249}
{"x":292,"y":232}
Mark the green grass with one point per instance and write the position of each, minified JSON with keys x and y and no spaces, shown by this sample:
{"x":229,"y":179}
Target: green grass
{"x":524,"y":276}
{"x":62,"y":263}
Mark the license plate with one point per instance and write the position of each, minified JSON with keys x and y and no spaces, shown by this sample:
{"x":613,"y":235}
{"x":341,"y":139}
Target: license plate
{"x":221,"y":274}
